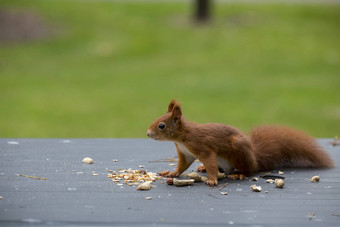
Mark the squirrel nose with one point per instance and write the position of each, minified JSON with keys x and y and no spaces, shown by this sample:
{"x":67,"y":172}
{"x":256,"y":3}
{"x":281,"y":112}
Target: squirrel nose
{"x":148,"y":133}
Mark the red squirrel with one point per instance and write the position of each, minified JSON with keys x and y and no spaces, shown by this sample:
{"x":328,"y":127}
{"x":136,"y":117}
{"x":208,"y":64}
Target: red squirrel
{"x":220,"y":146}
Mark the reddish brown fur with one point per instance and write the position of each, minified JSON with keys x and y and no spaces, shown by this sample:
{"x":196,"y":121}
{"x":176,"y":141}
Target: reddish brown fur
{"x":278,"y":146}
{"x":266,"y":148}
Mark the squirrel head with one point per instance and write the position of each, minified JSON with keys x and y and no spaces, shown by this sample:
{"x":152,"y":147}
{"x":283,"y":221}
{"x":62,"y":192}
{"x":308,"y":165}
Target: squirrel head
{"x":168,"y":126}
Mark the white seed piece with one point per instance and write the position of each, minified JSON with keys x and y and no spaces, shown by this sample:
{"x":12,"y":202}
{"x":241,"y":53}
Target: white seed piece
{"x":148,"y":198}
{"x":256,"y":188}
{"x":281,"y":173}
{"x":145,"y":186}
{"x":87,"y":160}
{"x":255,"y":179}
{"x":271,"y":181}
{"x":224,"y":193}
{"x":315,"y":179}
{"x":279,"y":183}
{"x":115,"y":160}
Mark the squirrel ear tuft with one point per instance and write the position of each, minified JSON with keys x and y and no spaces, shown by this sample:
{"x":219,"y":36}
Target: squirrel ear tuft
{"x":171,"y":105}
{"x":176,"y":113}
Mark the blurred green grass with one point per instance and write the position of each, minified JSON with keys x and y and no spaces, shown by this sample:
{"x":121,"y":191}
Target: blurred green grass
{"x":110,"y":68}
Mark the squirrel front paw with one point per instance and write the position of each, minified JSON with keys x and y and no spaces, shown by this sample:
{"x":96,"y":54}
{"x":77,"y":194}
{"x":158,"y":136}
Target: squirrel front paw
{"x":211,"y":183}
{"x":173,"y":174}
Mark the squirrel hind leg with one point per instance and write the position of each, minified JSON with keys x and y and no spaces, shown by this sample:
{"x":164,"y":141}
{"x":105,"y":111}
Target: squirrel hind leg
{"x":201,"y":169}
{"x":236,"y":176}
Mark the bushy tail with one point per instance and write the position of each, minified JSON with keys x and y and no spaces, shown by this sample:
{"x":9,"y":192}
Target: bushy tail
{"x":276,"y":146}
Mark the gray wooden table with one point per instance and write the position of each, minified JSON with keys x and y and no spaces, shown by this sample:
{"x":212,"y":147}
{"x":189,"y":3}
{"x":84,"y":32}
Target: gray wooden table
{"x":71,"y":195}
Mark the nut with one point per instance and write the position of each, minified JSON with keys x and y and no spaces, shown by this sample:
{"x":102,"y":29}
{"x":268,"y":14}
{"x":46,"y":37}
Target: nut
{"x":256,"y":188}
{"x":148,"y":198}
{"x":87,"y":160}
{"x":204,"y":178}
{"x":279,"y":183}
{"x":315,"y":179}
{"x":224,"y":193}
{"x":270,"y":181}
{"x":195,"y":176}
{"x":179,"y":183}
{"x":170,"y":181}
{"x":145,"y":186}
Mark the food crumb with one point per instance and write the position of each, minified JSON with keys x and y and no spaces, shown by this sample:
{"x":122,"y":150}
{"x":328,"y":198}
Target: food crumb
{"x":315,"y":179}
{"x":145,"y":186}
{"x":279,"y":183}
{"x":148,"y":198}
{"x":256,"y":188}
{"x":87,"y":160}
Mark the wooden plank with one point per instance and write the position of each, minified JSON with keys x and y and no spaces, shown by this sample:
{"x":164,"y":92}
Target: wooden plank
{"x":71,"y":195}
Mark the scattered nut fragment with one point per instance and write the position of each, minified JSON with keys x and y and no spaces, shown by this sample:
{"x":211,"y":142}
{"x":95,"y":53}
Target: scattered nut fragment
{"x":281,"y":173}
{"x":141,"y":166}
{"x":148,"y":198}
{"x":172,"y":164}
{"x":279,"y":183}
{"x":255,"y":179}
{"x":315,"y":179}
{"x":132,"y":176}
{"x":87,"y":160}
{"x":185,"y":182}
{"x":1,"y":197}
{"x":145,"y":186}
{"x":256,"y":188}
{"x":224,"y":193}
{"x":115,"y":160}
{"x":94,"y":174}
{"x":271,"y":181}
{"x":195,"y":176}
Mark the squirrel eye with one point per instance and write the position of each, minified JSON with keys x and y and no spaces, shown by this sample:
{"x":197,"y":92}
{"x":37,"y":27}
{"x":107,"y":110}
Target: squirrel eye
{"x":161,"y":126}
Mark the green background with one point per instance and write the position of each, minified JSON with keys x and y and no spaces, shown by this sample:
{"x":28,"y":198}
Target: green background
{"x":108,"y":69}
